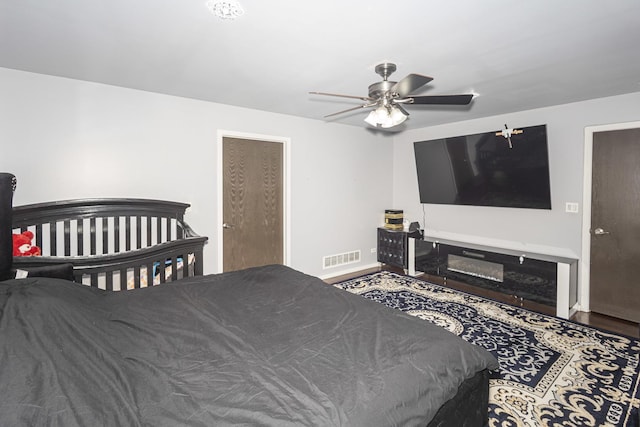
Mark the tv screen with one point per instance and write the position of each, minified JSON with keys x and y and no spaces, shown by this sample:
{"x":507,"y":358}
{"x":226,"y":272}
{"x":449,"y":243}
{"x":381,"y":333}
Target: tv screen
{"x":483,"y":170}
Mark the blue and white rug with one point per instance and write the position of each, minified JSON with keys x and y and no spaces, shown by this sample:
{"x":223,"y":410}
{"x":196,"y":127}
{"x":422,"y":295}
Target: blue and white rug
{"x":552,"y":372}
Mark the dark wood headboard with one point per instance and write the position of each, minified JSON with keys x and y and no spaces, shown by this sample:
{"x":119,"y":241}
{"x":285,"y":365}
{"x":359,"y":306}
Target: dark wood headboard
{"x":111,"y":241}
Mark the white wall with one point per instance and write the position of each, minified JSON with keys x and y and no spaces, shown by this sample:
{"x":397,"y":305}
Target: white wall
{"x":555,"y":231}
{"x":67,"y":139}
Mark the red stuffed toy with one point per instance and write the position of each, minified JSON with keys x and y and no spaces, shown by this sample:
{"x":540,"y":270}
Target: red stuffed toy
{"x":22,"y":245}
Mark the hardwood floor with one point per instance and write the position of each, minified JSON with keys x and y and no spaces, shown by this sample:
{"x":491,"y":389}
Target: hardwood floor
{"x":600,"y":321}
{"x":607,"y":323}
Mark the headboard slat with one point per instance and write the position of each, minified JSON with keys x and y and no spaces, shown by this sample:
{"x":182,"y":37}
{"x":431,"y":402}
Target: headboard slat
{"x":149,"y":231}
{"x":39,"y":235}
{"x":79,"y":238}
{"x":174,"y":269}
{"x":92,"y":236}
{"x":116,"y":233}
{"x":139,"y":231}
{"x":67,"y":237}
{"x":136,"y":277}
{"x":127,"y":233}
{"x":53,"y":234}
{"x":105,"y":235}
{"x":123,"y":279}
{"x":163,"y":271}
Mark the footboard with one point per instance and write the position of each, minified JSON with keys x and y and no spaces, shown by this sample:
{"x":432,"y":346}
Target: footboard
{"x":113,"y":244}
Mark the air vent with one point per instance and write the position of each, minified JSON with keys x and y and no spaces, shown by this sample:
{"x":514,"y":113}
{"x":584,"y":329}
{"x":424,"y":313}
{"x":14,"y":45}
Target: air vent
{"x":331,"y":261}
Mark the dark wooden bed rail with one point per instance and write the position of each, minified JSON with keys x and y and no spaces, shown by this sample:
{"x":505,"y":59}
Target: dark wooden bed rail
{"x":113,"y":243}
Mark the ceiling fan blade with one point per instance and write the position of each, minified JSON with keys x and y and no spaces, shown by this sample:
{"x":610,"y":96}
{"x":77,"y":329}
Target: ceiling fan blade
{"x":363,"y":98}
{"x":410,"y":83}
{"x":441,"y":99}
{"x":350,"y":109}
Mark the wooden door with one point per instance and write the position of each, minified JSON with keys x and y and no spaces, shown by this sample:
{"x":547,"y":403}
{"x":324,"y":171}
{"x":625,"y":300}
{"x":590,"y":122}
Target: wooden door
{"x":252,"y":212}
{"x":615,"y":224}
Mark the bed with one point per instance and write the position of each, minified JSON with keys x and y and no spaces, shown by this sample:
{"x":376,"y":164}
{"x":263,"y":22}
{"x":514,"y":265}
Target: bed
{"x":113,"y":244}
{"x":264,"y":346}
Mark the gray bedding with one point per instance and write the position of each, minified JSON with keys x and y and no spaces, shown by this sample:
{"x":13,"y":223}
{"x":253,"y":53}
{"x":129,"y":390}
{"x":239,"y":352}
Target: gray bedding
{"x":264,"y":346}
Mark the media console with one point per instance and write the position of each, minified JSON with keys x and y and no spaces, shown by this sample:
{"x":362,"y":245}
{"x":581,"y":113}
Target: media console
{"x":541,"y":278}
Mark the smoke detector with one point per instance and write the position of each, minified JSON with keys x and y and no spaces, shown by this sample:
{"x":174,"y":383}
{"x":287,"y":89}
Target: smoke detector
{"x":225,"y":9}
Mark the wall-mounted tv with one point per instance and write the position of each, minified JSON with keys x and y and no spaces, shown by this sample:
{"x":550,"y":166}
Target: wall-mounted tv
{"x":483,"y":170}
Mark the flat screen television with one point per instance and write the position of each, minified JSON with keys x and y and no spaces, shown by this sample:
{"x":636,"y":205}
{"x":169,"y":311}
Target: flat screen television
{"x":483,"y":170}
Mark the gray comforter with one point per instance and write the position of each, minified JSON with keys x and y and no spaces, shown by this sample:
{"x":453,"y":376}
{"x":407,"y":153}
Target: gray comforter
{"x":264,"y":346}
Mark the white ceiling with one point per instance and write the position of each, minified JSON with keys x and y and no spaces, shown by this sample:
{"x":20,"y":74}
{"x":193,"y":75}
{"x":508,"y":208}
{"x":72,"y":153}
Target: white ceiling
{"x":516,"y":55}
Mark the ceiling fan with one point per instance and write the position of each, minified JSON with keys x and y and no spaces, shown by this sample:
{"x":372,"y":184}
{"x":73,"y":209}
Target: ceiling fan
{"x":387,"y":97}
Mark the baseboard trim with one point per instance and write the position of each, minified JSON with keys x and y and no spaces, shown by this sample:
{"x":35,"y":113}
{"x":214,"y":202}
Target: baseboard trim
{"x":363,"y":269}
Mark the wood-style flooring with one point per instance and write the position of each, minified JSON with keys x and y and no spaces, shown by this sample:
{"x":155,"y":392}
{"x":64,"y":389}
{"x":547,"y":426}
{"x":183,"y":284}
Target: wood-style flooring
{"x":600,"y":321}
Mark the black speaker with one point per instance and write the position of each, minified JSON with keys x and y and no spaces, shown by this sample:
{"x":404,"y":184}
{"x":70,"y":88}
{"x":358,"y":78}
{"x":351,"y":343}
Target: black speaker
{"x":414,"y":230}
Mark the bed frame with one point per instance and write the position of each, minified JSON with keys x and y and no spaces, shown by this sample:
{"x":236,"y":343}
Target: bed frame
{"x":112,"y":244}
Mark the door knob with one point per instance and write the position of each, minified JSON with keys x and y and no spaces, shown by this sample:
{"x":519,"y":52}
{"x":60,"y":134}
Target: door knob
{"x":599,"y":231}
{"x":225,"y":225}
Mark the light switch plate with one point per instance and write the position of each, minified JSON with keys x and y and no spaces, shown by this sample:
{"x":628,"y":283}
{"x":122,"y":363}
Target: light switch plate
{"x":571,"y":207}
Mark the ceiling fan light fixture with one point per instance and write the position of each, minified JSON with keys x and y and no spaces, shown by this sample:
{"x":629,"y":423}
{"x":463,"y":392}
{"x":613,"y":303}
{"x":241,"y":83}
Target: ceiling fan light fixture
{"x":388,"y":98}
{"x":224,"y":9}
{"x":397,"y":116}
{"x":385,"y":117}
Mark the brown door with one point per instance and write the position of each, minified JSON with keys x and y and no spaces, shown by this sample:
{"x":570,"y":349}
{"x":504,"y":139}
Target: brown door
{"x":615,"y":224}
{"x":252,"y":211}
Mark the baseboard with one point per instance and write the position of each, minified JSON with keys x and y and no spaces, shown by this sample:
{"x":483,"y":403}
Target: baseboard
{"x":360,"y":268}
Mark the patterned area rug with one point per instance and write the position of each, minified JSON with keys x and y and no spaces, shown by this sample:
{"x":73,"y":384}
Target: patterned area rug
{"x":552,"y":372}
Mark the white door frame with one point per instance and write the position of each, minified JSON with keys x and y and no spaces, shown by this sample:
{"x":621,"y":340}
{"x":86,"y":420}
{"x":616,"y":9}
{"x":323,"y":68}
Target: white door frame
{"x":286,"y":194}
{"x":585,"y":270}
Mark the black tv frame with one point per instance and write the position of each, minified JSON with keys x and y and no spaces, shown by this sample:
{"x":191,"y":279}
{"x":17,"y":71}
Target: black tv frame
{"x":486,"y":169}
